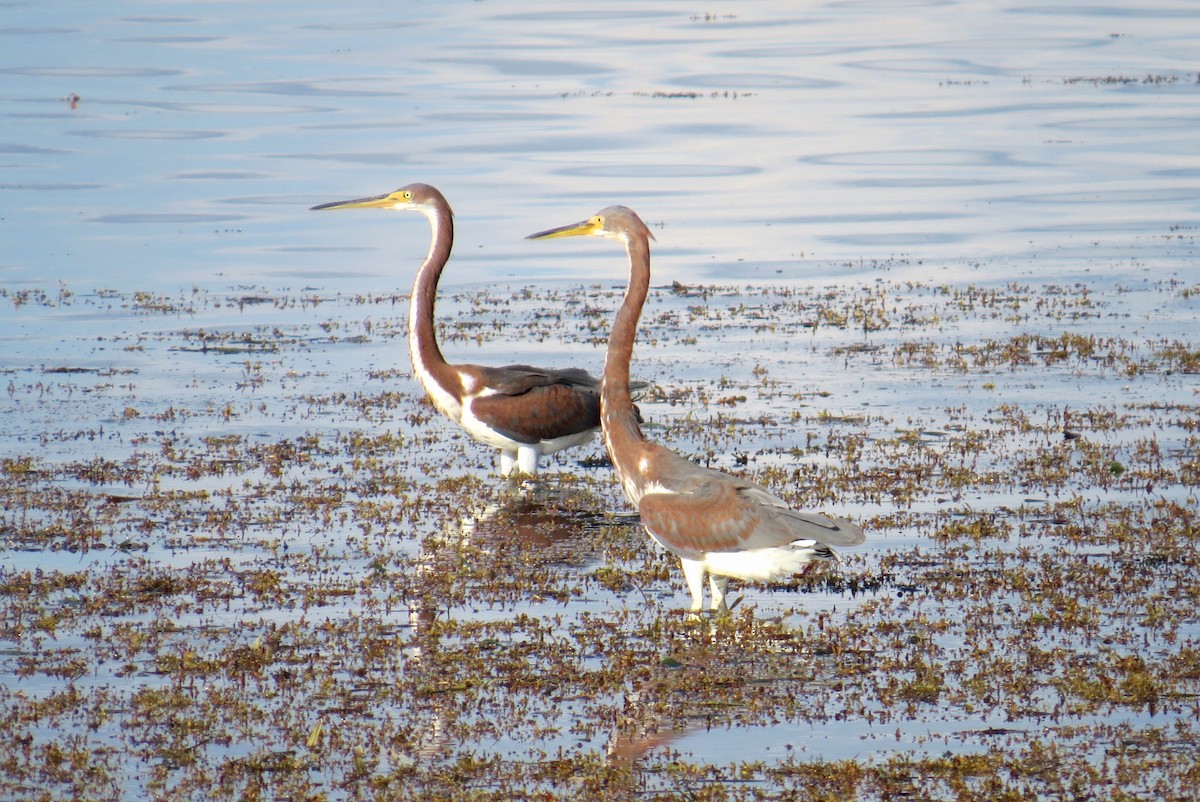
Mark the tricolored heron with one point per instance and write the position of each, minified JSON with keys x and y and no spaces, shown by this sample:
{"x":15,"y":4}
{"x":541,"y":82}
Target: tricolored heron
{"x":525,"y":412}
{"x":717,"y":524}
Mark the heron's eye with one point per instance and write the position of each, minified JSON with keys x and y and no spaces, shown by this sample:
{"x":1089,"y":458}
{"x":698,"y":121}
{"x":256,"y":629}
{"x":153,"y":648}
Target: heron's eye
{"x":407,"y":195}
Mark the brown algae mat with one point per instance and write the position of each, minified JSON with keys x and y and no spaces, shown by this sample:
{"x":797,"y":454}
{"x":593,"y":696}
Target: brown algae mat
{"x":243,"y":558}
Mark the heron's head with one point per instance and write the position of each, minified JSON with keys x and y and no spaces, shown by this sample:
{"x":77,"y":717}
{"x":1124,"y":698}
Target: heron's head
{"x":414,"y":197}
{"x":615,"y":222}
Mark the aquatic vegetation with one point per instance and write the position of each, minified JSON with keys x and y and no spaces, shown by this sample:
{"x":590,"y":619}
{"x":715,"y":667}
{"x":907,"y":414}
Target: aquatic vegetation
{"x":243,"y":558}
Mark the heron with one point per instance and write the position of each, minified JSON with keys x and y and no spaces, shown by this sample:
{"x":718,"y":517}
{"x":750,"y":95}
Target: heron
{"x":720,"y":526}
{"x":523,"y":411}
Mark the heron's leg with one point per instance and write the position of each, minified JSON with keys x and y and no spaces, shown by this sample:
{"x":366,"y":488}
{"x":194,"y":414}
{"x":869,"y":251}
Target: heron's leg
{"x":508,"y":463}
{"x":718,"y":585}
{"x":693,"y":572}
{"x":527,"y":460}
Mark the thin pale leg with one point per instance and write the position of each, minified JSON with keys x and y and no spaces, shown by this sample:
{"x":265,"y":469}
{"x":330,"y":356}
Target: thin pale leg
{"x":508,"y":463}
{"x":693,"y":572}
{"x":718,"y":584}
{"x":527,"y":460}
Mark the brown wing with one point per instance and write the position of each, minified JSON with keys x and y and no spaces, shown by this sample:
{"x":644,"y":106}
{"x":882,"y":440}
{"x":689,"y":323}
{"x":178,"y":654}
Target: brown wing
{"x":518,"y":379}
{"x":710,"y":519}
{"x":712,"y":511}
{"x":529,"y":407}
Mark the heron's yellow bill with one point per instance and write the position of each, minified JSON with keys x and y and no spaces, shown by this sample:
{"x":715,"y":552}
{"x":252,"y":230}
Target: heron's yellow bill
{"x":581,"y":229}
{"x":387,"y":201}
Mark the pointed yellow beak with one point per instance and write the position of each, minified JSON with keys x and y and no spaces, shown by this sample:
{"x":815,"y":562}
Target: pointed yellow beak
{"x":581,"y":229}
{"x":388,"y":201}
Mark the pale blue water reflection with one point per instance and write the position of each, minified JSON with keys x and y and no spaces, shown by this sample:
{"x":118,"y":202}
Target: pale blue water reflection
{"x":769,"y":139}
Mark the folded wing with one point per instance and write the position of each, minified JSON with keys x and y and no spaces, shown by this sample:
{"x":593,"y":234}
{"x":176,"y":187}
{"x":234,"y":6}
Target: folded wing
{"x":700,"y":510}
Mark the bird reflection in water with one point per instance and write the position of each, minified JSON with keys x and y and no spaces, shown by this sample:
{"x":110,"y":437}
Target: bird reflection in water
{"x":558,"y":529}
{"x":544,"y":521}
{"x":560,"y":537}
{"x":561,"y":533}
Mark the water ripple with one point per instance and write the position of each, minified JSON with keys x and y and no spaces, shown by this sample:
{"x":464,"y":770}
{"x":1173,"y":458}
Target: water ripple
{"x":91,"y":72}
{"x":927,"y":66}
{"x":529,"y":67}
{"x":752,"y":80}
{"x":658,"y":170}
{"x":150,"y":134}
{"x":48,"y":187}
{"x":305,"y":88}
{"x":166,"y":217}
{"x":923,"y":157}
{"x":37,"y":31}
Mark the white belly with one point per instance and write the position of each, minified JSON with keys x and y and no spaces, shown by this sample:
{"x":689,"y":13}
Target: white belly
{"x":485,"y":434}
{"x":761,"y":565}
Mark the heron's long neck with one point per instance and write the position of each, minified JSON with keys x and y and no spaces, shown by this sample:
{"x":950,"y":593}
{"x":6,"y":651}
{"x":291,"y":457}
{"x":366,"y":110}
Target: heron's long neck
{"x":427,"y":358}
{"x":622,"y":434}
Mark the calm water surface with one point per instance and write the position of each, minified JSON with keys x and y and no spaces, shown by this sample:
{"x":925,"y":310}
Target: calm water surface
{"x":764,"y":139}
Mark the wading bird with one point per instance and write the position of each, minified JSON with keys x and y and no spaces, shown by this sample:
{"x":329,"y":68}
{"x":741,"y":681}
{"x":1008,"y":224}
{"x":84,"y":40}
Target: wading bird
{"x":525,"y":412}
{"x":715,"y":523}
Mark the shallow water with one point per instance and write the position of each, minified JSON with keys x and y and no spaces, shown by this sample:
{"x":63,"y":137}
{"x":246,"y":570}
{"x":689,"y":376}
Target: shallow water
{"x":175,"y":321}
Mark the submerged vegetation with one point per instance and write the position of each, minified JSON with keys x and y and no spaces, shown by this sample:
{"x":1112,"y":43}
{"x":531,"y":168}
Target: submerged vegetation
{"x":243,"y":559}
